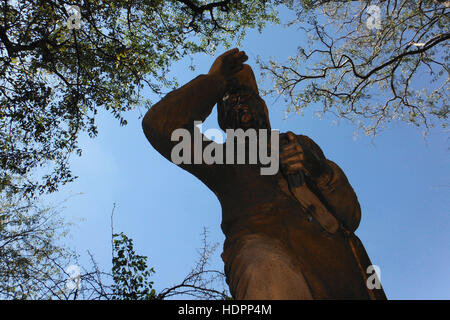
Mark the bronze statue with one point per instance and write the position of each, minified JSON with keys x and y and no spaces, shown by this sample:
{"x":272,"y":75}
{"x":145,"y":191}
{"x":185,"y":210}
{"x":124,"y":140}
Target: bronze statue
{"x":289,"y":235}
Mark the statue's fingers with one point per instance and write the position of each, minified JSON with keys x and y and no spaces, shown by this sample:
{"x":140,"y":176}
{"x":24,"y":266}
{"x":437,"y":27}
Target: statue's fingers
{"x":295,"y":155}
{"x":291,"y":147}
{"x":241,"y":61}
{"x":293,"y":159}
{"x":294,"y":168}
{"x":291,"y":136}
{"x":230,"y":52}
{"x":241,"y":56}
{"x":237,"y":61}
{"x":288,"y":155}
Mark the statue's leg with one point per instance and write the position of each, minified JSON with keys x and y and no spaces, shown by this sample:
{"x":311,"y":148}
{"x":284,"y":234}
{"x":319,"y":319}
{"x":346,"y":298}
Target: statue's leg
{"x":260,"y":268}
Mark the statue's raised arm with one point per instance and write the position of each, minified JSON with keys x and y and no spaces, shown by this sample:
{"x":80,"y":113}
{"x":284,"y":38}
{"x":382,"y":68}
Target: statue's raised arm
{"x":192,"y":102}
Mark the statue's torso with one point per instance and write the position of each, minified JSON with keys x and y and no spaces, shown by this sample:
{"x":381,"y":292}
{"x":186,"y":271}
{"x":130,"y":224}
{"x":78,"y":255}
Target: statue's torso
{"x":262,"y":205}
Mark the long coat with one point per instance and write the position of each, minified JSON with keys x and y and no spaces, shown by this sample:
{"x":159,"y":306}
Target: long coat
{"x":274,"y":249}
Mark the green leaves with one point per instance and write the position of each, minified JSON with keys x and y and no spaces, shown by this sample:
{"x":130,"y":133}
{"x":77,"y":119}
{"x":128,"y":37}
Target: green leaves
{"x":130,"y":272}
{"x":31,"y":256}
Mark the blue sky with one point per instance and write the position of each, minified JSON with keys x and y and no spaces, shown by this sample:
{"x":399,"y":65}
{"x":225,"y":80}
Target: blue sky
{"x":400,"y":177}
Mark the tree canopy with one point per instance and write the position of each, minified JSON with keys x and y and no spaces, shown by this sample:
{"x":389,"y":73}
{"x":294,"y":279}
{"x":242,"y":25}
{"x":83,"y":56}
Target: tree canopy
{"x":367,"y":60}
{"x":62,"y":61}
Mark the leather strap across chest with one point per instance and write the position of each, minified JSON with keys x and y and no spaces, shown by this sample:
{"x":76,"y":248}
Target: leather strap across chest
{"x":311,"y":204}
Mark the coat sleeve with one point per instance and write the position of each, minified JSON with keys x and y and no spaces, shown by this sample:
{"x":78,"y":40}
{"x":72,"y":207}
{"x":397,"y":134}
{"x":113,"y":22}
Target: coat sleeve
{"x":331,"y":184}
{"x":178,"y":110}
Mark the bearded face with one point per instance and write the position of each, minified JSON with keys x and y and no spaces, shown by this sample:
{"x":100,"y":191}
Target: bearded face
{"x":242,"y":109}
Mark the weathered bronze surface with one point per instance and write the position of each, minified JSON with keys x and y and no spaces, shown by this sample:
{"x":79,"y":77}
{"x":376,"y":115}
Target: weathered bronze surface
{"x":288,"y":235}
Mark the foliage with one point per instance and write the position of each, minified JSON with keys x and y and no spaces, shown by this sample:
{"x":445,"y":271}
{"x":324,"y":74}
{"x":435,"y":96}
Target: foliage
{"x":367,"y":69}
{"x":36,"y":265}
{"x":61,"y":62}
{"x":130,"y":272}
{"x":131,"y":275}
{"x":59,"y":66}
{"x":32,"y":261}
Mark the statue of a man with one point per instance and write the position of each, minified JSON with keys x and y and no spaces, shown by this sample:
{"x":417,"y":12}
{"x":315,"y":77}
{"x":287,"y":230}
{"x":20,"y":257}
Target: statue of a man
{"x":289,"y":235}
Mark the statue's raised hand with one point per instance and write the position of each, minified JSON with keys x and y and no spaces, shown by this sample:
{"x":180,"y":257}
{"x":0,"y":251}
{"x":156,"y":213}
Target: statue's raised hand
{"x":227,"y":64}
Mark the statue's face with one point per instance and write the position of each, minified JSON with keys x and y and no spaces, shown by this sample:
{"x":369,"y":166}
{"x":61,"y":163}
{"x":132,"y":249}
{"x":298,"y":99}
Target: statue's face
{"x":244,"y":109}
